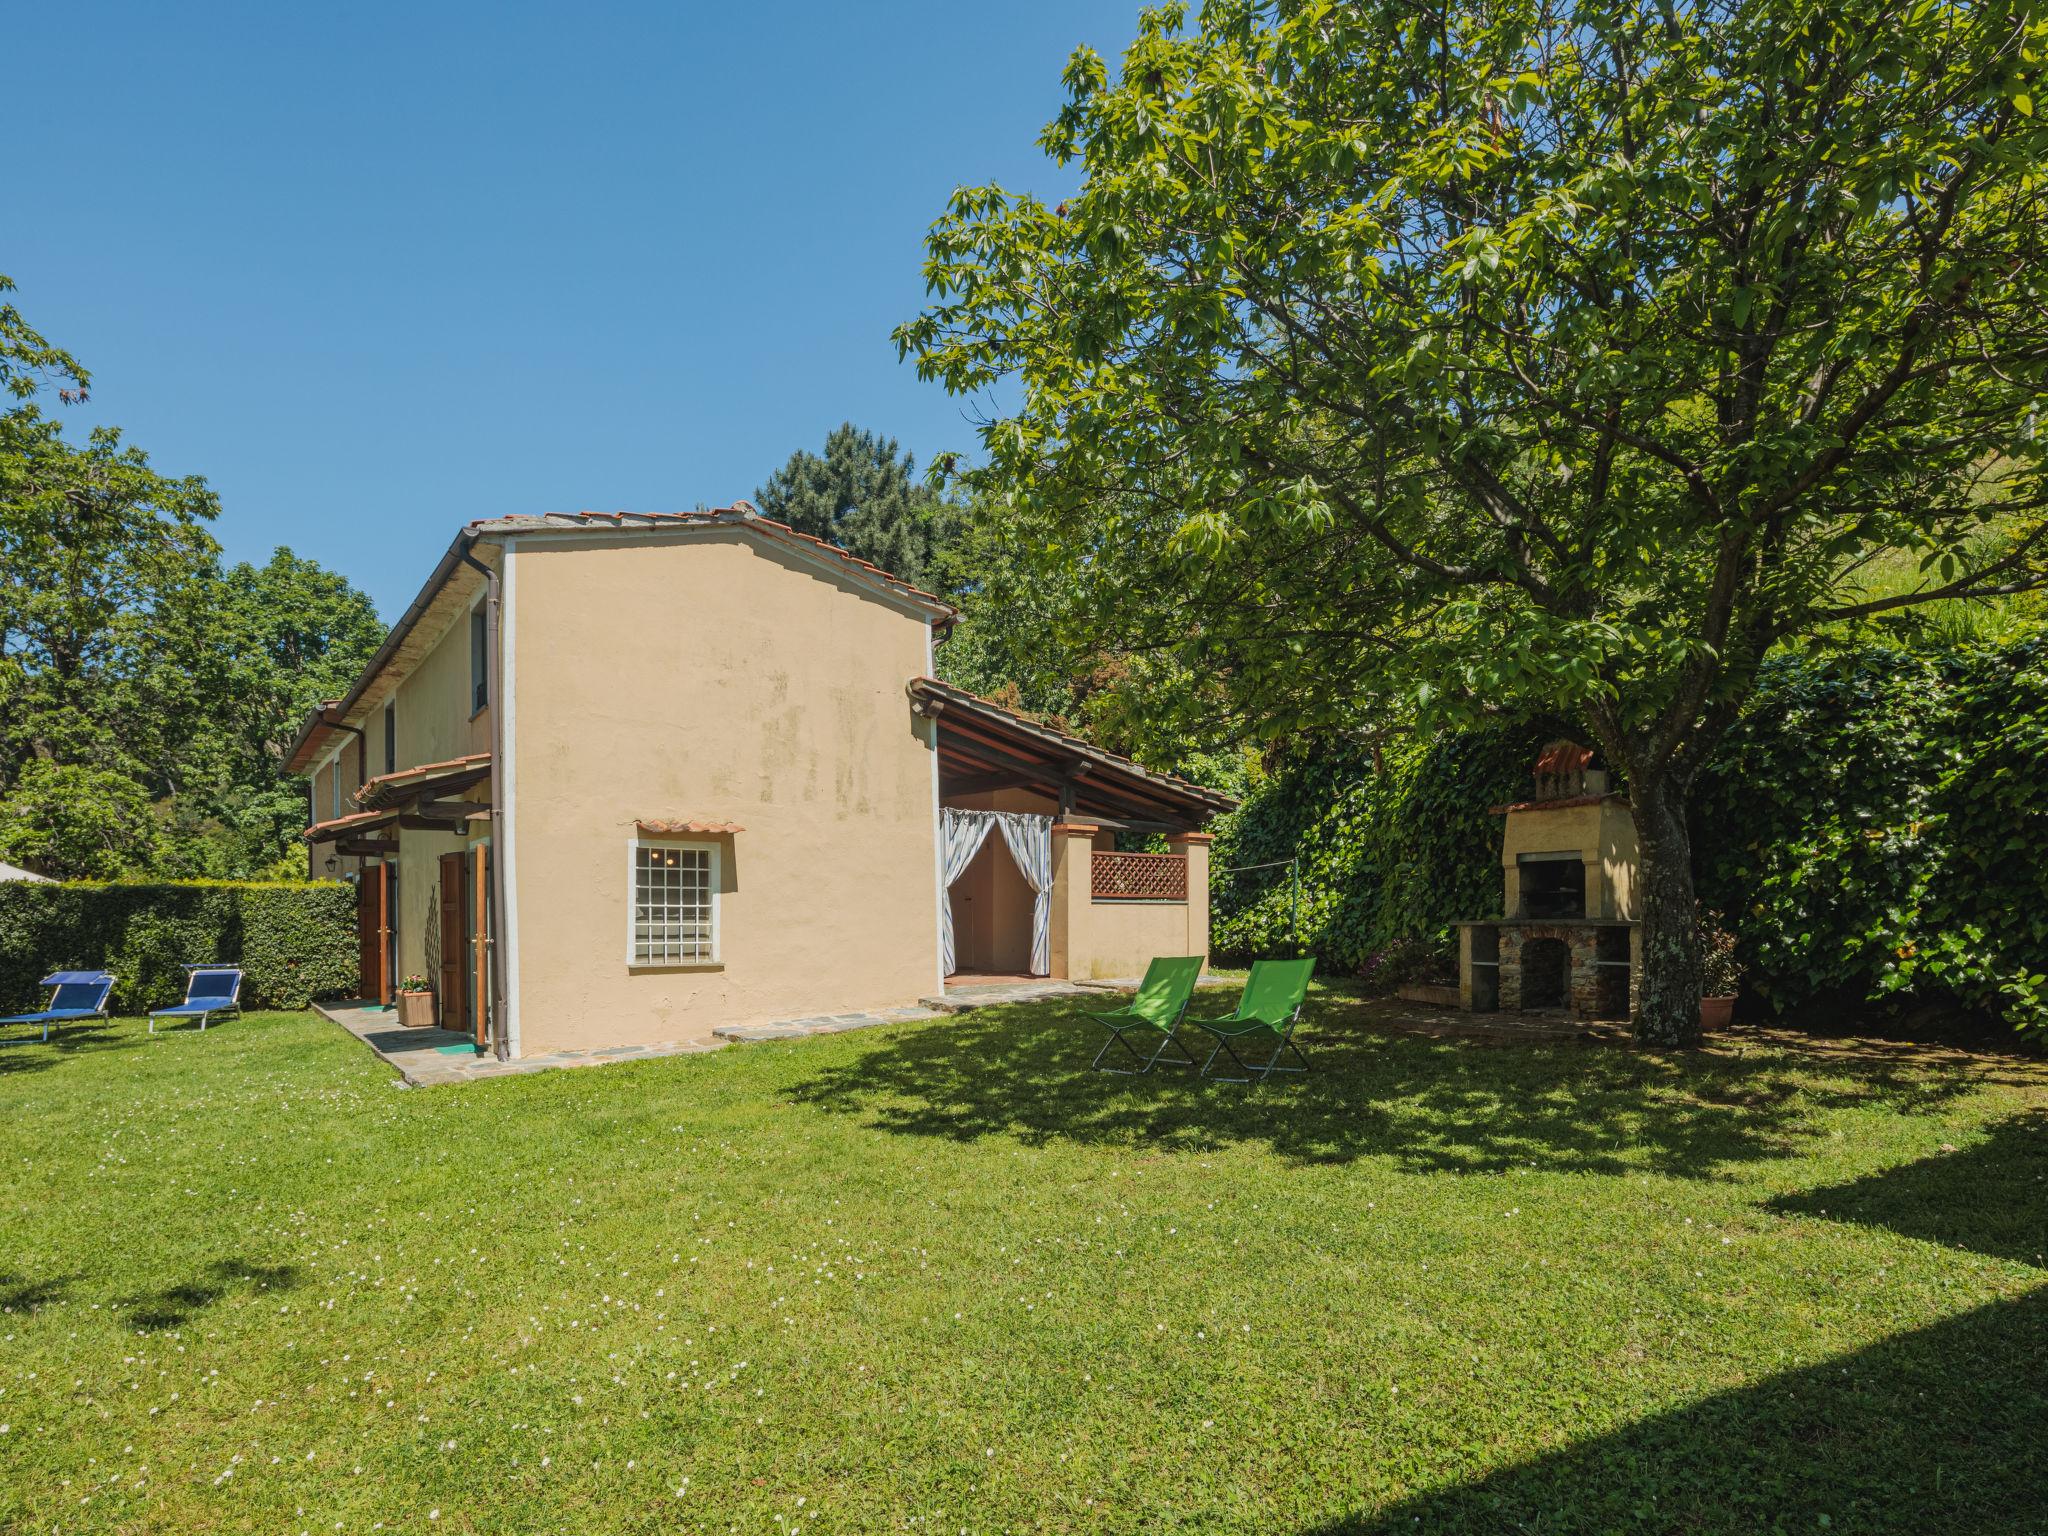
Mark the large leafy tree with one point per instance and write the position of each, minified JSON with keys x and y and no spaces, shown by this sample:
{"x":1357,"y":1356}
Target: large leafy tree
{"x":863,"y":494}
{"x":1523,"y":354}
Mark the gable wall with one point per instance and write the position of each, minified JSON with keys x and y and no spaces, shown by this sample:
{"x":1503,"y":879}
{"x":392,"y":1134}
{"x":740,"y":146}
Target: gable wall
{"x":710,"y":677}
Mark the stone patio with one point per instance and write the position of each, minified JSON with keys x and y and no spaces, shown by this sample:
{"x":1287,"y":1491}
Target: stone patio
{"x":426,"y":1058}
{"x":825,"y":1024}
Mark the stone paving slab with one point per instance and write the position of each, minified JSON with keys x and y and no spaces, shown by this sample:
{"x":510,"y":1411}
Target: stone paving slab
{"x":824,"y":1024}
{"x":421,"y":1062}
{"x":965,"y":997}
{"x":423,"y":1057}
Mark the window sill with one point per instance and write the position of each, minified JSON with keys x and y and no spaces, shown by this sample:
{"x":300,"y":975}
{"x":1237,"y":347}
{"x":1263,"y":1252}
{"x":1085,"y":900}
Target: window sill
{"x":675,"y":965}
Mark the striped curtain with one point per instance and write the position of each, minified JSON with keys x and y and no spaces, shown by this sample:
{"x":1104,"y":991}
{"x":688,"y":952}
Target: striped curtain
{"x":962,"y":833}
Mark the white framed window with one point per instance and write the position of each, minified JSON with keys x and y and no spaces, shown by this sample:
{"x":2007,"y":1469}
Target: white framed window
{"x":671,"y":903}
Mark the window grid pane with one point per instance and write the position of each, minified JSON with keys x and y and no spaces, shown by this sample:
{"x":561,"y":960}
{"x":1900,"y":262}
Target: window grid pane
{"x":671,"y":905}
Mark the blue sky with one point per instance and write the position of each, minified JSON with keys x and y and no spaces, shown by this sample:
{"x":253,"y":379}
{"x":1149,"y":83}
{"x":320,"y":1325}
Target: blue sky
{"x":375,"y":270}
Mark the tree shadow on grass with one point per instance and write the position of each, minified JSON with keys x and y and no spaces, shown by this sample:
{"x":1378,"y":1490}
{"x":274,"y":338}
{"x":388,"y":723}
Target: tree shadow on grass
{"x":1934,"y":1430}
{"x":1431,"y":1104}
{"x":22,"y":1052}
{"x":24,"y":1293}
{"x":175,"y":1305}
{"x":1991,"y":1197}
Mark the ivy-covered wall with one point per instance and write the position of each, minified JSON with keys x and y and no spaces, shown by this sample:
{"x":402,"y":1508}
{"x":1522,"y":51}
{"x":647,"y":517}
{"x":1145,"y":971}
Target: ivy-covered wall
{"x":1876,"y":831}
{"x":1391,"y":854}
{"x":294,"y":941}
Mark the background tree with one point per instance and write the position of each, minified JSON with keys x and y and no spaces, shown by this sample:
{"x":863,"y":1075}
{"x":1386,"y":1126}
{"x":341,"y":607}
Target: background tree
{"x":281,"y":636}
{"x":145,"y":698}
{"x":1522,"y":355}
{"x":864,"y":495}
{"x":104,"y":570}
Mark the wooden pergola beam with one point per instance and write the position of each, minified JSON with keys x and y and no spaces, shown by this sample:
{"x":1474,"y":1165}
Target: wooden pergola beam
{"x":448,"y":810}
{"x":981,"y":783}
{"x":1124,"y":824}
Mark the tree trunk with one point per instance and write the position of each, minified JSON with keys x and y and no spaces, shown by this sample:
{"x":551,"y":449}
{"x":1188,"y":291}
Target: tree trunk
{"x":1668,"y":989}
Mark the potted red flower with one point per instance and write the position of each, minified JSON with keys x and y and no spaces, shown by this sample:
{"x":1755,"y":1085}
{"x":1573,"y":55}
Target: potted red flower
{"x":1720,"y":972}
{"x":415,"y":1003}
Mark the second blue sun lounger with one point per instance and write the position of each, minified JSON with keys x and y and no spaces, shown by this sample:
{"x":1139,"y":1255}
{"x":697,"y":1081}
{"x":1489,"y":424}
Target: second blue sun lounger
{"x":209,"y":989}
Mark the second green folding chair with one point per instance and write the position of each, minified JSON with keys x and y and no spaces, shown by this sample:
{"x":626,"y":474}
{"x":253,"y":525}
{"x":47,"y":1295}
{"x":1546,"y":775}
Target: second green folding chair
{"x":1272,"y":1000}
{"x":1162,"y":999}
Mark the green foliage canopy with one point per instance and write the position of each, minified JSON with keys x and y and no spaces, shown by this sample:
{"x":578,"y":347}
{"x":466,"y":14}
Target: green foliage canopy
{"x":1587,"y":352}
{"x":1521,"y":354}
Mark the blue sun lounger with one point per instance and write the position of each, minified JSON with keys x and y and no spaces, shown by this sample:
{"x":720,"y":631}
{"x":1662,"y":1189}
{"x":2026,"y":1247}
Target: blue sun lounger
{"x":78,"y":995}
{"x":209,"y":989}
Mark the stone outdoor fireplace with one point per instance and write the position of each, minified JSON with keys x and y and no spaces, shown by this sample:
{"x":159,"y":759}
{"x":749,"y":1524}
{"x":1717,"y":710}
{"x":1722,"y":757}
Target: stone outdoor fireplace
{"x":1566,"y":938}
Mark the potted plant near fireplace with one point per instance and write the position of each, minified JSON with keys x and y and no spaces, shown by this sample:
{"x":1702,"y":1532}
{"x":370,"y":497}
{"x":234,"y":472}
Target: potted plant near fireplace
{"x":1720,"y":972}
{"x":415,"y":1003}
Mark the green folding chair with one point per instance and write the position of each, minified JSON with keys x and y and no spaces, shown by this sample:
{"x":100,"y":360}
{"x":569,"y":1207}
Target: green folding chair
{"x":1271,"y":1003}
{"x":1162,"y":999}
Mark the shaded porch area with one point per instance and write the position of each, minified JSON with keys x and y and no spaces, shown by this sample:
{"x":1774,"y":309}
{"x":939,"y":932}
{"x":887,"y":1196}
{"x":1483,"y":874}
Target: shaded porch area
{"x":425,"y":899}
{"x":1040,"y":880}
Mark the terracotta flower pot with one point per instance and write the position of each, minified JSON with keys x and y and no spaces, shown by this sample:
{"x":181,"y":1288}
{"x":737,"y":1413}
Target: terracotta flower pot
{"x":416,"y":1010}
{"x":1717,"y":1012}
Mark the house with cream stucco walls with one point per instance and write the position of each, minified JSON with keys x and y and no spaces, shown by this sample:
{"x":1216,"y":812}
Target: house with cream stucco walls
{"x":625,"y":779}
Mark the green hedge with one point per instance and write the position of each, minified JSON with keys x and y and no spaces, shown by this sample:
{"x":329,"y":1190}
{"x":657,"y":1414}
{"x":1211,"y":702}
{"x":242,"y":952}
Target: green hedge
{"x":294,"y":941}
{"x":1876,"y":831}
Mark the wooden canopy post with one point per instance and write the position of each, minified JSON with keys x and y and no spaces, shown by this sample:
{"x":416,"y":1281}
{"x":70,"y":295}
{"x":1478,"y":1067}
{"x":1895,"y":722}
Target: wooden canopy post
{"x":480,"y":960}
{"x":450,"y":871}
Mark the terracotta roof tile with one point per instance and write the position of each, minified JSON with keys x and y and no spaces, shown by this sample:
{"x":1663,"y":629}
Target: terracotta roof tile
{"x":455,"y":767}
{"x":357,"y":821}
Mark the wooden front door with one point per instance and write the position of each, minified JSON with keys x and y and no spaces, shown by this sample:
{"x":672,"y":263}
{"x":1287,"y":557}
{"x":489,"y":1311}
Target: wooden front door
{"x":373,"y":933}
{"x":450,"y":983}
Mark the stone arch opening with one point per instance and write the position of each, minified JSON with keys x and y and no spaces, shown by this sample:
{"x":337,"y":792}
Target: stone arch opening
{"x":1546,"y":973}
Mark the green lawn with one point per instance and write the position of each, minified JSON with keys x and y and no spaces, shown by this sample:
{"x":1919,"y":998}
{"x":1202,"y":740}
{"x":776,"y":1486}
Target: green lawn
{"x":938,"y":1277}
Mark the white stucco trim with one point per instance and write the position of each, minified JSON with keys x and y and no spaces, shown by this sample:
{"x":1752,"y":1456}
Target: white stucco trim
{"x":506,"y":785}
{"x":938,"y":837}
